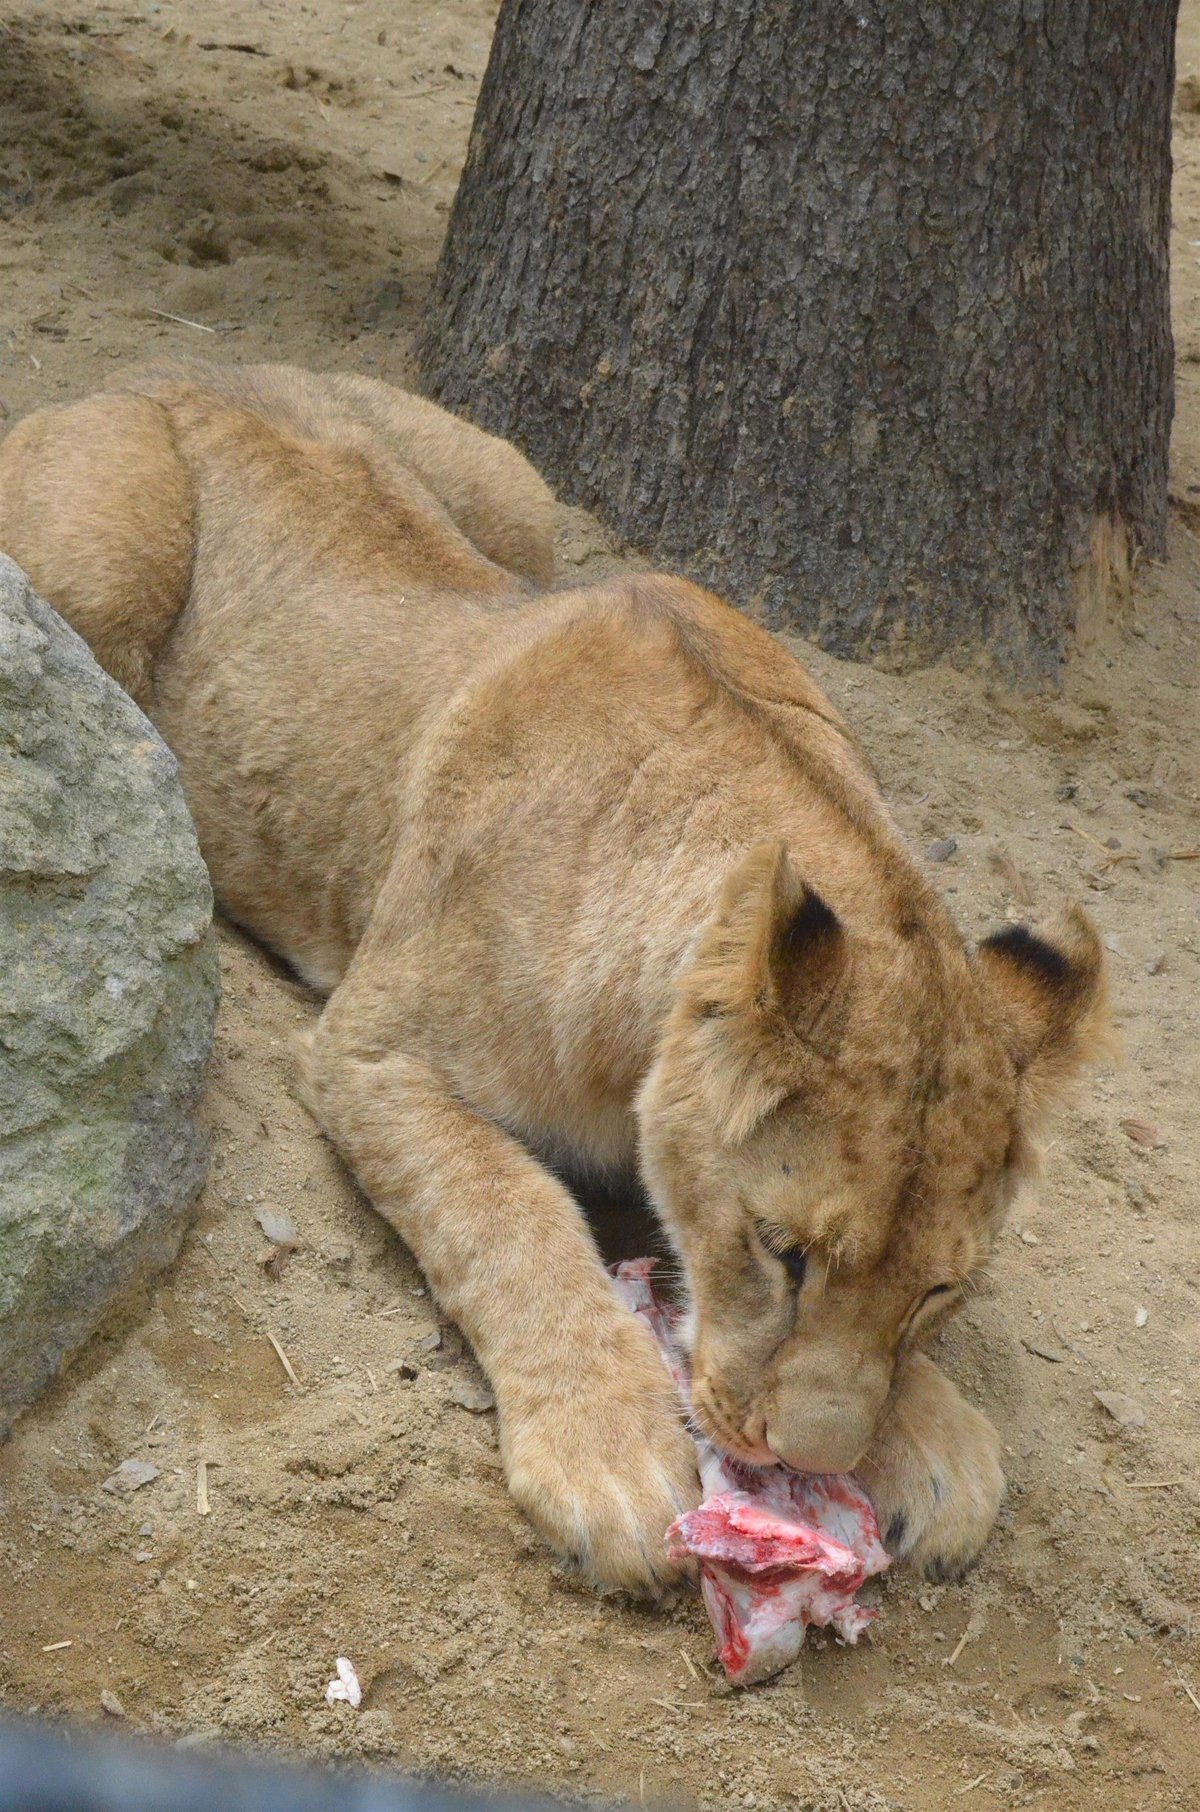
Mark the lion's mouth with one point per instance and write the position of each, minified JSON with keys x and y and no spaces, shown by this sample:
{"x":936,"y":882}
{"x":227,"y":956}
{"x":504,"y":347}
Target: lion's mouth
{"x":740,"y":1439}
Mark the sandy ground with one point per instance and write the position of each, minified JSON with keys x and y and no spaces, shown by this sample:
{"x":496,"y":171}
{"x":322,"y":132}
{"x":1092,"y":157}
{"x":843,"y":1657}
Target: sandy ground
{"x":280,"y":175}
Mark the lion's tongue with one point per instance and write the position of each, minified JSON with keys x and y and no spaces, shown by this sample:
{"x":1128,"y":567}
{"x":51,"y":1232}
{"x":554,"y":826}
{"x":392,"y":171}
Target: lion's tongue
{"x":778,"y":1550}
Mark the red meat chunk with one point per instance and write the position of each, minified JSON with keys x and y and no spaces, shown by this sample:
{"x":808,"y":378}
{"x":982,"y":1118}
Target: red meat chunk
{"x":778,"y":1550}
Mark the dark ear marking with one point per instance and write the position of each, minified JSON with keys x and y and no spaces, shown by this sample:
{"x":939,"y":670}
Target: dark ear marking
{"x":812,"y":922}
{"x":1051,"y":993}
{"x":807,"y":961}
{"x":1020,"y":945}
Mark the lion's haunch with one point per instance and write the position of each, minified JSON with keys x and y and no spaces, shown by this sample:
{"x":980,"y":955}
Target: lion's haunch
{"x":778,"y":1550}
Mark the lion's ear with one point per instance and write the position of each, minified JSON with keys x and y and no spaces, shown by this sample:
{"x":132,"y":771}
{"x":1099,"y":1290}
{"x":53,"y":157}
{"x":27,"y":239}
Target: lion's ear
{"x":775,"y":947}
{"x":1052,"y":989}
{"x":764,"y":976}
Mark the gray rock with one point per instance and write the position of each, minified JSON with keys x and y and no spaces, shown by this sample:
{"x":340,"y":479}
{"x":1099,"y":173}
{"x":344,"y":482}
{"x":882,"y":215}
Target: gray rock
{"x":277,"y":1225}
{"x":108,"y":995}
{"x":942,"y":850}
{"x":130,"y":1475}
{"x":472,"y":1394}
{"x":1125,"y":1410}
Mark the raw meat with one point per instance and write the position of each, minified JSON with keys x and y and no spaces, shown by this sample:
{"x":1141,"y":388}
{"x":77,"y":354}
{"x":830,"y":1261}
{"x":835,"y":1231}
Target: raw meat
{"x":778,"y":1550}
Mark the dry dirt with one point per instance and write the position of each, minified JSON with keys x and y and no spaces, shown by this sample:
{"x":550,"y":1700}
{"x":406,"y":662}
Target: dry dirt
{"x":279,"y":176}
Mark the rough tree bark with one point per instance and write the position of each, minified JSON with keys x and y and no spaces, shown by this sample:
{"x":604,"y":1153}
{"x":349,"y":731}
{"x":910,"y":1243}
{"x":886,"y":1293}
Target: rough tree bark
{"x":858,"y":312}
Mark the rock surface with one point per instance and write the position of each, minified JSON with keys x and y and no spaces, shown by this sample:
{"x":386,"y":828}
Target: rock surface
{"x":108,"y":995}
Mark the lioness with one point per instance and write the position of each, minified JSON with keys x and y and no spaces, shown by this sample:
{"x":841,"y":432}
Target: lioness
{"x":595,"y":879}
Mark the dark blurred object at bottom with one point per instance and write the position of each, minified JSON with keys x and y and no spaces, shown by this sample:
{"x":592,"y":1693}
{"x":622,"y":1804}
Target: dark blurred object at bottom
{"x":61,"y":1770}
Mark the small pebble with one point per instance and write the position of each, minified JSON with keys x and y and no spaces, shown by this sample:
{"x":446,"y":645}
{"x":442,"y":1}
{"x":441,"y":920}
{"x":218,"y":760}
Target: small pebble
{"x":1126,"y":1411}
{"x":110,"y":1703}
{"x":449,"y":1352}
{"x":277,"y":1225}
{"x":1141,"y":1318}
{"x":942,"y":850}
{"x":469,"y":1394}
{"x":130,"y":1475}
{"x":1049,"y":1353}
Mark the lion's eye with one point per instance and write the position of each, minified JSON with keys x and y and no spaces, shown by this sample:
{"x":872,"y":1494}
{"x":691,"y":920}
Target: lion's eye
{"x":782,"y":1246}
{"x":795,"y":1263}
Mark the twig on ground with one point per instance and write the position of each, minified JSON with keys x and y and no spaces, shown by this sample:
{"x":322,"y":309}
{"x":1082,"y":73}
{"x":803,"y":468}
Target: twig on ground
{"x":180,"y":320}
{"x":284,"y":1360}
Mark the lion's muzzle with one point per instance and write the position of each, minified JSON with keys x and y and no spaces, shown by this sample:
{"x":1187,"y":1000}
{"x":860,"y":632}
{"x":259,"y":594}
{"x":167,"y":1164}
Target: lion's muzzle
{"x":826,"y":1406}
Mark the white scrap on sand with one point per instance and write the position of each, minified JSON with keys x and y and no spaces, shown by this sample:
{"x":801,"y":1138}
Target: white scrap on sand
{"x":346,"y":1687}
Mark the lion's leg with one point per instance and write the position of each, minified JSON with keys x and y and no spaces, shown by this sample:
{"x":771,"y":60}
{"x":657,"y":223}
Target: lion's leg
{"x":933,"y":1473}
{"x":590,"y":1431}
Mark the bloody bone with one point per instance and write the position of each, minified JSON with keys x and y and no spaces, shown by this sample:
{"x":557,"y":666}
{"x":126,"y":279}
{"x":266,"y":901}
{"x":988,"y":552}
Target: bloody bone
{"x":778,"y":1550}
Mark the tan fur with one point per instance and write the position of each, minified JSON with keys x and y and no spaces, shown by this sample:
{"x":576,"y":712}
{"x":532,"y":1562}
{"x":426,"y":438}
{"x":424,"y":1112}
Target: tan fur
{"x":95,"y":502}
{"x":595,"y":879}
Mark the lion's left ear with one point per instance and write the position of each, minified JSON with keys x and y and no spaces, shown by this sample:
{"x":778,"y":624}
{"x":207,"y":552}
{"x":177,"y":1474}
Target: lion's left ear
{"x":1052,"y":990}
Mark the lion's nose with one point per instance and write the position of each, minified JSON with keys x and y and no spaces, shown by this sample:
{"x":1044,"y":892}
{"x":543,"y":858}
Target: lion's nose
{"x":829,"y":1437}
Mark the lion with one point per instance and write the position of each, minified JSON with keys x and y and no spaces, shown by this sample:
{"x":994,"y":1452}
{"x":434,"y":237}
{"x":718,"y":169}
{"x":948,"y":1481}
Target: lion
{"x":597,"y":882}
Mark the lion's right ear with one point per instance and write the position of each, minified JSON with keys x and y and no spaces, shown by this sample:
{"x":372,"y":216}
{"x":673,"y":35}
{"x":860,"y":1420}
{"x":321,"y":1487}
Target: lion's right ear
{"x":775,"y":949}
{"x":1052,"y":991}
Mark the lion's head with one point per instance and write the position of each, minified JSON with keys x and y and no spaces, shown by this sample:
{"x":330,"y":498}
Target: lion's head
{"x":832,"y":1133}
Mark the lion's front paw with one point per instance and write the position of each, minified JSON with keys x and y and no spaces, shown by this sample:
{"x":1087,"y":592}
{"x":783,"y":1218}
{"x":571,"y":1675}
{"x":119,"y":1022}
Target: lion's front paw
{"x":934,"y":1474}
{"x":603,"y":1466}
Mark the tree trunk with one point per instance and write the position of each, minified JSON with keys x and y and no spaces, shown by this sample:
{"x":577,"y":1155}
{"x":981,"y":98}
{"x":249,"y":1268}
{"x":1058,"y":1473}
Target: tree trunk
{"x":856,"y":312}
